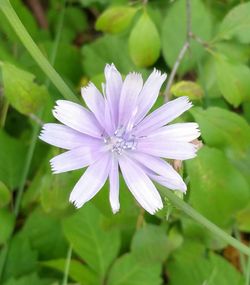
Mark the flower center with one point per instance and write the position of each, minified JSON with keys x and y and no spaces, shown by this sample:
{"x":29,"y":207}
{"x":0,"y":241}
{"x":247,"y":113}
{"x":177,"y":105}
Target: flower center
{"x":118,"y":142}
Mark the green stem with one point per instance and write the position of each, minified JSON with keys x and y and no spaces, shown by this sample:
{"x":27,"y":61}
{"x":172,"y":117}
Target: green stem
{"x":26,"y":167}
{"x":35,"y":130}
{"x":187,"y":209}
{"x":67,"y":266}
{"x":57,"y":39}
{"x":34,"y":51}
{"x":3,"y":257}
{"x":3,"y":112}
{"x":247,"y":273}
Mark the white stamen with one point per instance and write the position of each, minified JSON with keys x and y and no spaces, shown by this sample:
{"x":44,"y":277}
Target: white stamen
{"x":118,"y":142}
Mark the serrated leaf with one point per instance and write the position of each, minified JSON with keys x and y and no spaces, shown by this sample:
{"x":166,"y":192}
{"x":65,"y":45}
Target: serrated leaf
{"x":187,"y":88}
{"x":115,"y":19}
{"x":233,"y":80}
{"x":174,"y":33}
{"x":22,"y":92}
{"x":90,"y":241}
{"x":144,"y":42}
{"x":127,"y":270}
{"x":77,"y":271}
{"x":144,"y":241}
{"x":236,"y":24}
{"x":5,"y":195}
{"x":218,"y":189}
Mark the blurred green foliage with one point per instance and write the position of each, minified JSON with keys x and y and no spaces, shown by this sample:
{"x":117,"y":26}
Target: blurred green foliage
{"x":130,"y":247}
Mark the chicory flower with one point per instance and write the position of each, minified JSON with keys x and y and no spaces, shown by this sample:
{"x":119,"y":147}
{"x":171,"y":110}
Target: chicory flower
{"x":115,"y":133}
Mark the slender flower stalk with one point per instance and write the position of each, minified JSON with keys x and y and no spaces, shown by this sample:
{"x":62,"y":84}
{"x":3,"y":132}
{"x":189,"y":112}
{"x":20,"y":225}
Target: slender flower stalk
{"x":115,"y":133}
{"x":39,"y":58}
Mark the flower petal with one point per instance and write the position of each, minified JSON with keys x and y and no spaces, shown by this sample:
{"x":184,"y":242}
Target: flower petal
{"x":113,"y":90}
{"x":65,"y":137}
{"x":114,"y":185}
{"x":181,"y":132}
{"x":77,"y":117}
{"x":162,"y":116}
{"x":149,"y":93}
{"x":167,"y":149}
{"x":95,"y":101}
{"x":140,"y":185}
{"x":162,"y":169}
{"x":129,"y":95}
{"x":110,"y":124}
{"x":91,"y":182}
{"x":76,"y":158}
{"x":171,"y":184}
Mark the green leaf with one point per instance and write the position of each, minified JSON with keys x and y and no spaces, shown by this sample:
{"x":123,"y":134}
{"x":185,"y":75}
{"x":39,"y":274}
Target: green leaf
{"x":28,"y":279}
{"x":243,"y":219}
{"x":127,"y":270}
{"x":218,"y":189}
{"x":90,"y":241}
{"x":66,"y":60}
{"x":21,"y":258}
{"x":22,"y":92}
{"x":236,"y":24}
{"x":36,"y":229}
{"x":5,"y":195}
{"x":55,"y":190}
{"x":27,"y":18}
{"x":106,"y":49}
{"x":187,"y":88}
{"x":52,"y":190}
{"x":207,"y":78}
{"x":144,"y":42}
{"x":77,"y":271}
{"x":220,"y":128}
{"x":144,"y":241}
{"x":228,"y":131}
{"x":7,"y":223}
{"x":192,"y":264}
{"x":174,"y":33}
{"x":75,"y":22}
{"x":87,"y":3}
{"x":233,"y":80}
{"x":115,"y":19}
{"x":12,"y":157}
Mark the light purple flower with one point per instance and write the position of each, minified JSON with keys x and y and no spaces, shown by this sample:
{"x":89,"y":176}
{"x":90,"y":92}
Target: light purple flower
{"x":115,"y":133}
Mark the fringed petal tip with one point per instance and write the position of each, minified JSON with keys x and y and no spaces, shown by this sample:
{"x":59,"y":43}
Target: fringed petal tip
{"x":109,"y":68}
{"x":158,"y":74}
{"x":54,"y":170}
{"x":76,"y":203}
{"x":43,"y":131}
{"x":135,"y":76}
{"x":156,"y":209}
{"x":86,"y":88}
{"x":187,"y":101}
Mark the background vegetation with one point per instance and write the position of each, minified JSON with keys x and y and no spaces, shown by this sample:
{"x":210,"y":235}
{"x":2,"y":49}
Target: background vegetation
{"x":204,"y":47}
